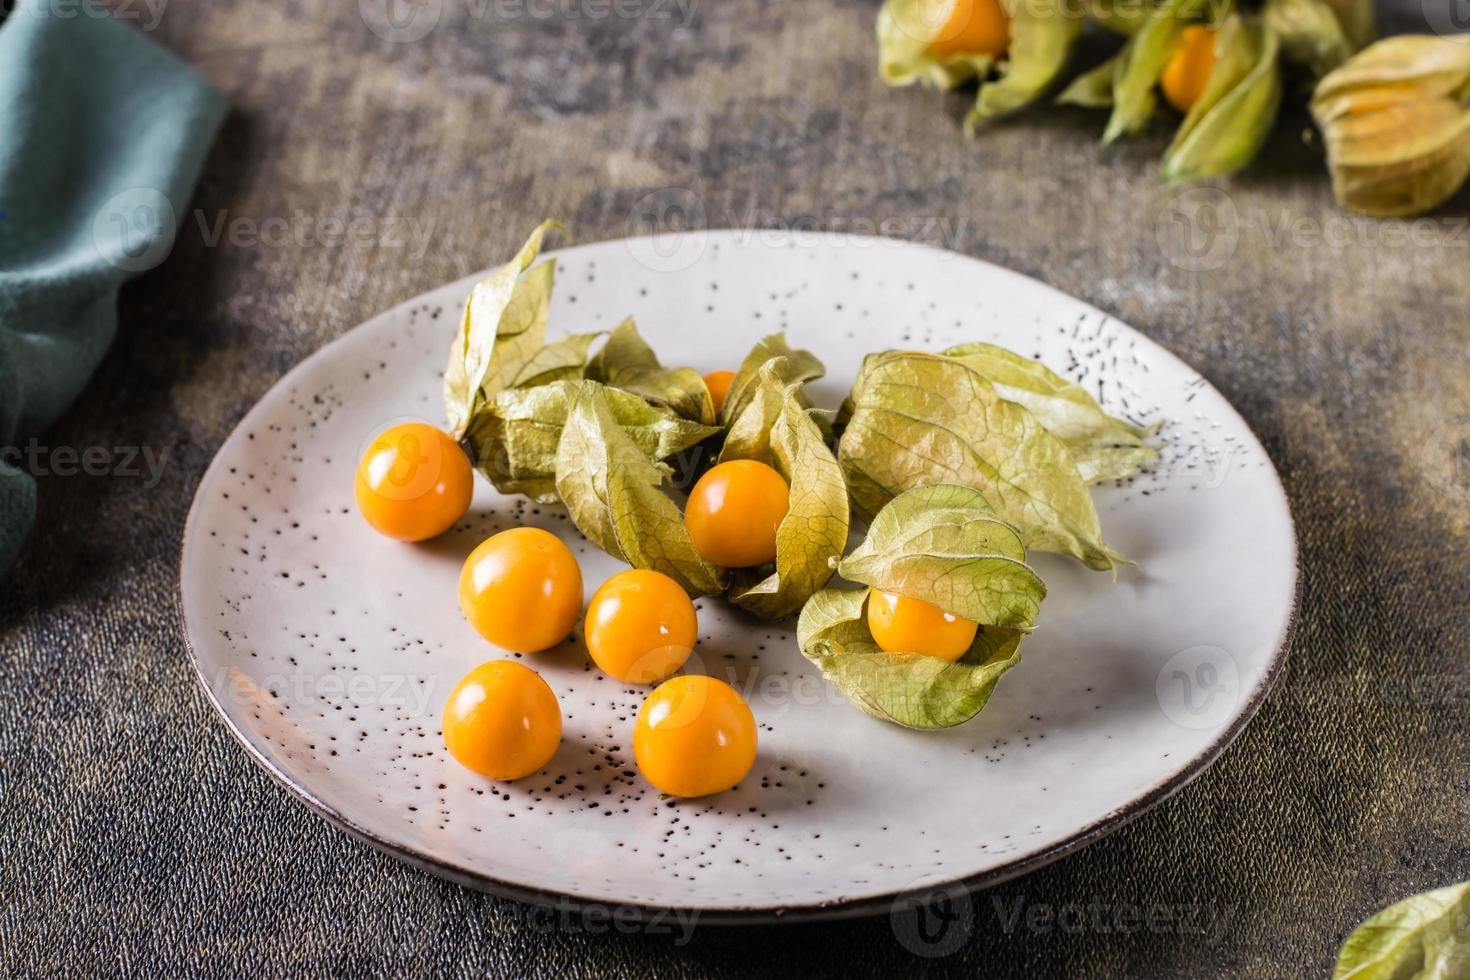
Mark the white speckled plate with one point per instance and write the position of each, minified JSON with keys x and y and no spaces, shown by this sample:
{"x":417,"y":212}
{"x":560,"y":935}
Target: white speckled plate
{"x":329,"y":650}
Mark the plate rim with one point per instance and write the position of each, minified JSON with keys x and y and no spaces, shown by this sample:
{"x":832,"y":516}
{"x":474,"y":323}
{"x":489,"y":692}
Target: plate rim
{"x":737,"y":915}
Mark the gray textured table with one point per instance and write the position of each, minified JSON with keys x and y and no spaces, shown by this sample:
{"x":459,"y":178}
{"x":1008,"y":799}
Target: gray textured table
{"x":136,"y":835}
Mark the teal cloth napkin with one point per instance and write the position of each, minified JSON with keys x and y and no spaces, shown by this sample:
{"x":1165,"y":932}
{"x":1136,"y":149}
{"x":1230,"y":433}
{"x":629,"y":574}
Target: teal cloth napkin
{"x":102,"y":134}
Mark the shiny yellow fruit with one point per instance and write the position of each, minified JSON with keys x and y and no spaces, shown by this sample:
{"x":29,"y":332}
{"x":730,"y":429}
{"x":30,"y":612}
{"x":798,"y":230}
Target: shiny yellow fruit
{"x":973,"y":27}
{"x":718,"y":383}
{"x":694,"y":736}
{"x":413,"y":482}
{"x":502,"y":720}
{"x":641,"y":626}
{"x":733,"y":512}
{"x":900,"y":624}
{"x":521,"y":589}
{"x":1188,"y":71}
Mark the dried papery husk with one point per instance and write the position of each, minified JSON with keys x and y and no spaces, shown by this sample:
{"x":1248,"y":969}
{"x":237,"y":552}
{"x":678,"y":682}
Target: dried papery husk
{"x":1395,"y":125}
{"x":1398,"y":69}
{"x":1401,"y":160}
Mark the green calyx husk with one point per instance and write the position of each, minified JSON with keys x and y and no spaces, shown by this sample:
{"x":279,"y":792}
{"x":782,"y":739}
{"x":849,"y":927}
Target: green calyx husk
{"x":594,"y":431}
{"x":1105,"y":448}
{"x":620,"y":498}
{"x":916,"y":420}
{"x":1356,"y":18}
{"x":945,"y":546}
{"x":607,"y":472}
{"x":1141,"y":63}
{"x":1043,"y":34}
{"x":503,"y":326}
{"x":1226,"y":128}
{"x":1423,"y":937}
{"x":1315,"y":34}
{"x":508,"y":393}
{"x":561,"y":360}
{"x":559,"y":423}
{"x":1229,"y":124}
{"x":906,"y":31}
{"x":1093,"y":89}
{"x":792,"y":367}
{"x":514,"y":438}
{"x":627,"y":362}
{"x":778,"y":427}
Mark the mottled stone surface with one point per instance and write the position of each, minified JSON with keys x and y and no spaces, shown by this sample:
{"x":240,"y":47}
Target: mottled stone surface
{"x":137,"y":836}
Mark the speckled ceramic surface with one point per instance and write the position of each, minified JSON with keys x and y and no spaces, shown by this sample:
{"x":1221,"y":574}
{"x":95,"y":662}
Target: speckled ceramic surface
{"x":330,"y":650}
